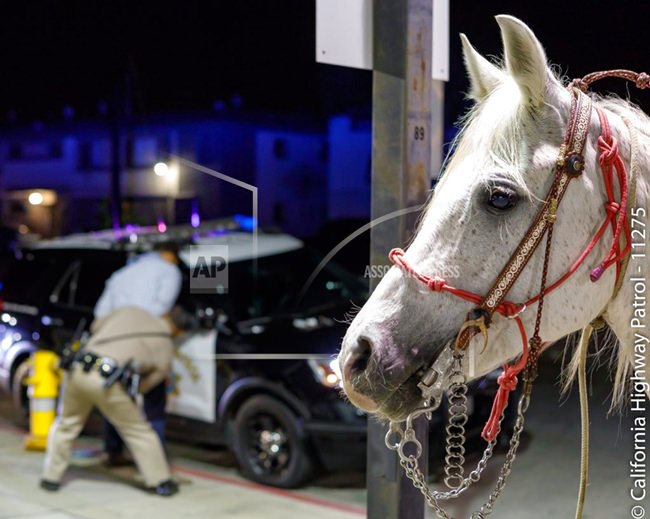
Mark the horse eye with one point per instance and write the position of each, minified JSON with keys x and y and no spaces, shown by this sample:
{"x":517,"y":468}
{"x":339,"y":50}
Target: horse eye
{"x":502,"y":198}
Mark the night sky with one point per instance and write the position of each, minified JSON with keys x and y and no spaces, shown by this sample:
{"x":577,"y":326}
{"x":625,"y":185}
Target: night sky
{"x":187,"y":55}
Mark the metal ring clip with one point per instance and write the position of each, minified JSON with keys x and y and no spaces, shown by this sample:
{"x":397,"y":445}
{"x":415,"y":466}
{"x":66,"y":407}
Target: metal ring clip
{"x":396,"y":431}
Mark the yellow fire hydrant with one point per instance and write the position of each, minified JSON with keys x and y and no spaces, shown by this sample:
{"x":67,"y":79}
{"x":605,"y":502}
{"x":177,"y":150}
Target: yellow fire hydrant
{"x":43,"y":391}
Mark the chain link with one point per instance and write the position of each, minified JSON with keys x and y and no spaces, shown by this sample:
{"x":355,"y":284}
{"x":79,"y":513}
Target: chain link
{"x":409,"y":463}
{"x":456,"y":435}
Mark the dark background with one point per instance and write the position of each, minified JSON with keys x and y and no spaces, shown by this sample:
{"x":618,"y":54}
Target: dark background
{"x":187,"y":55}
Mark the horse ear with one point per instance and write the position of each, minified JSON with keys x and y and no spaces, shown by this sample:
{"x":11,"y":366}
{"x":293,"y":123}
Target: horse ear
{"x":525,"y":58}
{"x":483,"y":75}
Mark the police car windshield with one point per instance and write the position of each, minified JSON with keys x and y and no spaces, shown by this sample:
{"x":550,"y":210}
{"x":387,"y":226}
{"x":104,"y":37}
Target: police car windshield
{"x":275,"y":284}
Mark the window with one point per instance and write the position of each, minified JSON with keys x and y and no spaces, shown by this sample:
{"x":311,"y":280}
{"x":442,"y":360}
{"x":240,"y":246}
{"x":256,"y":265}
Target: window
{"x":280,"y":149}
{"x":35,"y":151}
{"x":56,"y":151}
{"x":32,"y":278}
{"x":66,"y":288}
{"x":15,"y":153}
{"x":85,"y":156}
{"x":278,"y":213}
{"x":96,"y":268}
{"x":142,"y":152}
{"x":94,"y":155}
{"x":324,"y":152}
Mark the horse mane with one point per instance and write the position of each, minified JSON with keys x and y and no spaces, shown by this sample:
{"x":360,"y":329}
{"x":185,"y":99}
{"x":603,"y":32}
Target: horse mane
{"x":627,"y":110}
{"x":620,"y":359}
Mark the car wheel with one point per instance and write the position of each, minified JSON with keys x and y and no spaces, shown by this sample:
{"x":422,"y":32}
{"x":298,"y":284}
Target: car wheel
{"x":19,"y":394}
{"x":268,"y":445}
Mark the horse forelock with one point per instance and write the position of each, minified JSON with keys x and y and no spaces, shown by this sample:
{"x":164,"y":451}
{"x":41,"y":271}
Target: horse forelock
{"x":492,"y":140}
{"x":495,"y":134}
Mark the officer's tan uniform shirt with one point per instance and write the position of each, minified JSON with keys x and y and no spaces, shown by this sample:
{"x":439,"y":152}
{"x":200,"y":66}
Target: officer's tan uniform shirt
{"x":131,"y":333}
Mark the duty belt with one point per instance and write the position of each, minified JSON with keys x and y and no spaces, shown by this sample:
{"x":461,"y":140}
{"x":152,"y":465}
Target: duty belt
{"x":110,"y":370}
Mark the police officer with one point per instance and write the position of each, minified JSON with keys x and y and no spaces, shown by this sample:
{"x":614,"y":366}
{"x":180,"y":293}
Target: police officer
{"x":128,"y":337}
{"x":152,"y":282}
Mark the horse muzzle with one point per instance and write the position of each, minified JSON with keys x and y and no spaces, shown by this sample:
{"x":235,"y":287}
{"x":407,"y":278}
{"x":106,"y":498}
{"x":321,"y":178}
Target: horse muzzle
{"x":380,"y":377}
{"x":354,"y":362}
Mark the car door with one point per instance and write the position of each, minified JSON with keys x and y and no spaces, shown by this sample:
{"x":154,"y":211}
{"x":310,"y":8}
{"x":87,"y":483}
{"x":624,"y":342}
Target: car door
{"x":194,"y":378}
{"x":194,"y":388}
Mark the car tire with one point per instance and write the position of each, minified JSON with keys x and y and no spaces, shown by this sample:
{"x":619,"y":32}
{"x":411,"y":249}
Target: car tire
{"x":266,"y":440}
{"x":19,"y":396}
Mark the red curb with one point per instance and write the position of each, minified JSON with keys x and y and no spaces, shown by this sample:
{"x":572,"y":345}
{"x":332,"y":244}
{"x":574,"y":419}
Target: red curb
{"x":288,"y":494}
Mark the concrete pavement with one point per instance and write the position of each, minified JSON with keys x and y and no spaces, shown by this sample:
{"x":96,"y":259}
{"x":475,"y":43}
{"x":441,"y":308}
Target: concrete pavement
{"x":92,"y":492}
{"x":544,"y":482}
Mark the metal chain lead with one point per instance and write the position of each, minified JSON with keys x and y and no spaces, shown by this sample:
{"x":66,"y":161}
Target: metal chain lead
{"x":395,"y":435}
{"x":456,"y":436}
{"x":410,"y":464}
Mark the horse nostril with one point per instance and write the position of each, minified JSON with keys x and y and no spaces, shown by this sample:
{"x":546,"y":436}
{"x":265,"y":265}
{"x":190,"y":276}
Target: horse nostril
{"x":360,"y":355}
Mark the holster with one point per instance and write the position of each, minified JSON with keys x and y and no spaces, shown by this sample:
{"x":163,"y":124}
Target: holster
{"x":127,"y":376}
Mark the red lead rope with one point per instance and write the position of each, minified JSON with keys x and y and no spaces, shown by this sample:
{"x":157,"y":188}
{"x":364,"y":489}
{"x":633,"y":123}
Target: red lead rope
{"x":616,"y":216}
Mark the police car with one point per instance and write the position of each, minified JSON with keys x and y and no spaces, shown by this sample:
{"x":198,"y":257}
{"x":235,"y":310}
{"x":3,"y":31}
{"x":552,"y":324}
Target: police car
{"x":256,"y":373}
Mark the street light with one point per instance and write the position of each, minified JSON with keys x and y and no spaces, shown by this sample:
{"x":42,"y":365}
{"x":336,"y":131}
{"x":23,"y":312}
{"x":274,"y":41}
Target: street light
{"x":161,"y":169}
{"x":35,"y":198}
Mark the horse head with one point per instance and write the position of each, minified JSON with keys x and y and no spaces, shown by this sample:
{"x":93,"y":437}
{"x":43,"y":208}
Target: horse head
{"x":492,"y":188}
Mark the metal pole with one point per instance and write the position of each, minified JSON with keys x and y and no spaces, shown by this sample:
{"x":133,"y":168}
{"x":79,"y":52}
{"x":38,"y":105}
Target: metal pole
{"x":117,"y":153}
{"x":401,"y":177}
{"x":120,"y":122}
{"x":116,"y":162}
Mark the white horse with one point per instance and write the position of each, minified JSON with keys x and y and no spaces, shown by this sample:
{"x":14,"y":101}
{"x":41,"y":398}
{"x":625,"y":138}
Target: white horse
{"x":493,"y":187}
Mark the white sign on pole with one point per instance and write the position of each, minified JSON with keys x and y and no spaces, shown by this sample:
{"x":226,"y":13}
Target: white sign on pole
{"x":344,"y":33}
{"x":440,"y":57}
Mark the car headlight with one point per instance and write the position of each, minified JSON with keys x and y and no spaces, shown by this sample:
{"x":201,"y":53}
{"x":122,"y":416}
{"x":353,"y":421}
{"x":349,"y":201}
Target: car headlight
{"x":327,"y":372}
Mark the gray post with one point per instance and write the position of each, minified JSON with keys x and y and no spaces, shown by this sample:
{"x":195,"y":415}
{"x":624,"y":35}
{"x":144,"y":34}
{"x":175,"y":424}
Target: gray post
{"x":117,"y":152}
{"x":401,"y":176}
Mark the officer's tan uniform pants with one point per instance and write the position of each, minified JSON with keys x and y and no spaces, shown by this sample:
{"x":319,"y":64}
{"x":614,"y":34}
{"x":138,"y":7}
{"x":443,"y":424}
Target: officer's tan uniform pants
{"x":81,"y":392}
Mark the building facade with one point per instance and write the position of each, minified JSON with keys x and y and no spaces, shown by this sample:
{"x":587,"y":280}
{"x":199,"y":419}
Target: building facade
{"x":56,"y":179}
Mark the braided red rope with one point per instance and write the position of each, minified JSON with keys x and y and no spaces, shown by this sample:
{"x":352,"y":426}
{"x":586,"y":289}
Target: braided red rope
{"x":610,"y":159}
{"x":616,"y":216}
{"x":507,"y":382}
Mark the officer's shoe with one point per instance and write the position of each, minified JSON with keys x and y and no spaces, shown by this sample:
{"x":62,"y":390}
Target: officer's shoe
{"x":166,"y":488}
{"x":50,"y":486}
